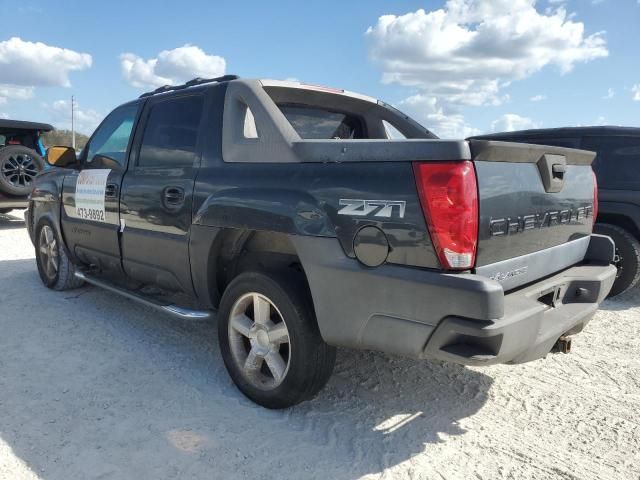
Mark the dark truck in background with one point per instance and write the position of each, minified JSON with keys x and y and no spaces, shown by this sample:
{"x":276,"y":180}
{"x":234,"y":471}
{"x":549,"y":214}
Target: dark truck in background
{"x":616,"y":166}
{"x":21,"y":159}
{"x":288,"y":211}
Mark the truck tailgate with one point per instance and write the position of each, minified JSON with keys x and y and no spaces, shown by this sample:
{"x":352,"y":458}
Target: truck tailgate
{"x":536,"y":209}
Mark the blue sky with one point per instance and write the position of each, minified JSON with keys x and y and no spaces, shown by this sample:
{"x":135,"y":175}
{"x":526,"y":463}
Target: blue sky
{"x":407,"y":59}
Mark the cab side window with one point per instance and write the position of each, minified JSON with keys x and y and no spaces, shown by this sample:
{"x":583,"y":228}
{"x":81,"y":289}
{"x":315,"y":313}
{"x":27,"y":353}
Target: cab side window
{"x":171,"y":133}
{"x":108,"y":145}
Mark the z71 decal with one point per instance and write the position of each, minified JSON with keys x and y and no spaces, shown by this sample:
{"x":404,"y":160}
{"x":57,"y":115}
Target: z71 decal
{"x":363,"y":208}
{"x":90,"y":192}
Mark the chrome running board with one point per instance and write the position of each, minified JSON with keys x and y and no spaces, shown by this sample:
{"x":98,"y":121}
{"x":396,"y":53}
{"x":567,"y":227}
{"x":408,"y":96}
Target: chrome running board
{"x":171,"y":309}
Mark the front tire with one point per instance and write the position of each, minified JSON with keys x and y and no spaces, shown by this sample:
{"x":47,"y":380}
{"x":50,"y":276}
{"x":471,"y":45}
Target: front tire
{"x":270,"y":341}
{"x":627,"y":259}
{"x":54,"y":266}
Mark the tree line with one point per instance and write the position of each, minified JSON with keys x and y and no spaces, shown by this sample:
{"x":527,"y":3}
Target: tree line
{"x":63,"y":138}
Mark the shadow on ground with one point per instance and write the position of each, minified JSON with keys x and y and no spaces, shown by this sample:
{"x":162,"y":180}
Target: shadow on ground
{"x":95,"y":386}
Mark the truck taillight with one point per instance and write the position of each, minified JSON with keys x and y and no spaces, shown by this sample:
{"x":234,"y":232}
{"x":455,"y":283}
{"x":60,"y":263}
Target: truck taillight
{"x":595,"y":197}
{"x":449,"y":197}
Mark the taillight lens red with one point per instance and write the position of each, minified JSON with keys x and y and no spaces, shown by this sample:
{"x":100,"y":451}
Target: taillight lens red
{"x":449,"y":197}
{"x":595,"y":197}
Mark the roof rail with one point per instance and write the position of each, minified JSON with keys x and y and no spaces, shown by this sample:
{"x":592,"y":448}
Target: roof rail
{"x":190,"y":83}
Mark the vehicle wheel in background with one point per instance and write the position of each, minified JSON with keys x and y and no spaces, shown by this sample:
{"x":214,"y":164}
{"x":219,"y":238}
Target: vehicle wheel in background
{"x":627,"y":259}
{"x":55,"y":268}
{"x":18,"y":168}
{"x":270,"y":341}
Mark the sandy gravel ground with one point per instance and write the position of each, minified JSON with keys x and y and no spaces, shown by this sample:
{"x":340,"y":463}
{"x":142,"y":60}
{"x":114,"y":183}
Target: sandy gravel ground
{"x":93,"y":386}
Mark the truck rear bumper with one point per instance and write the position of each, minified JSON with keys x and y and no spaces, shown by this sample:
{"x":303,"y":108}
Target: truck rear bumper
{"x":462,"y":318}
{"x":535,"y":318}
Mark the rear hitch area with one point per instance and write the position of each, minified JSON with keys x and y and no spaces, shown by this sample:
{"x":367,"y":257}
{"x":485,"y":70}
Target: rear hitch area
{"x":563,"y":345}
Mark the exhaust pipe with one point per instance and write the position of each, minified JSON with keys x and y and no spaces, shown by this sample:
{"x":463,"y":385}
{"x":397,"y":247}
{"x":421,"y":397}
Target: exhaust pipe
{"x":563,"y":345}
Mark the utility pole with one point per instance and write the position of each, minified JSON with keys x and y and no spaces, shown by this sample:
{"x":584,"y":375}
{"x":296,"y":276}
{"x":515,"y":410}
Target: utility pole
{"x":73,"y":129}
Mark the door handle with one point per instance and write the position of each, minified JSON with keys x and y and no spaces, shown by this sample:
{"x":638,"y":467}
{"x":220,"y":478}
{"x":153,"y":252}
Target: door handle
{"x":111,"y":190}
{"x":173,"y":195}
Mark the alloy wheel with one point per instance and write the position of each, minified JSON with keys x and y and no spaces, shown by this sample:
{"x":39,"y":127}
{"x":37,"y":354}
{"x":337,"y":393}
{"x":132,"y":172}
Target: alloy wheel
{"x":259,"y":341}
{"x":19,"y":169}
{"x":48,"y":247}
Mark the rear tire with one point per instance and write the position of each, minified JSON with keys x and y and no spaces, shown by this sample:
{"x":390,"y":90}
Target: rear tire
{"x":54,"y":266}
{"x":627,"y":258}
{"x":18,"y":168}
{"x":270,"y":341}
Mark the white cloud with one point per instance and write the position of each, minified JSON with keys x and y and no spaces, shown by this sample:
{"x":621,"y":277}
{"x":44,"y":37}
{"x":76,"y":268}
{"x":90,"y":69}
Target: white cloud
{"x":538,"y":98}
{"x":466,"y":53}
{"x":439,"y":119}
{"x":170,"y":67}
{"x":4,"y":115}
{"x":635,"y":90}
{"x":86,"y":120}
{"x":510,"y":122}
{"x":610,"y":94}
{"x":12,"y":92}
{"x":29,"y":64}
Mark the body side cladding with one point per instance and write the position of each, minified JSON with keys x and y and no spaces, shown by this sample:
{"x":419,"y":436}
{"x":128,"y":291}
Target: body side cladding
{"x":204,"y":245}
{"x":421,"y":297}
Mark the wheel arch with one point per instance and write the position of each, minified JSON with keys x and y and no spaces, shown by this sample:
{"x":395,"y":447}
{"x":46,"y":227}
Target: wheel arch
{"x":220,"y":254}
{"x":46,"y":203}
{"x":620,"y":220}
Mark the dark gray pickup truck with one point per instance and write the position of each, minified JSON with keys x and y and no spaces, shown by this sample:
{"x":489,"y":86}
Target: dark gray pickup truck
{"x":308,"y":218}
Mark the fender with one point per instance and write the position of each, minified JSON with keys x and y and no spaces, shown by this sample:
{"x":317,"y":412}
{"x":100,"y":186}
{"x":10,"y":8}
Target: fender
{"x":628,"y":210}
{"x":46,"y":202}
{"x":283,"y":211}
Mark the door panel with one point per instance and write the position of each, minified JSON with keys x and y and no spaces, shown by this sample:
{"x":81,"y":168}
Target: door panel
{"x":94,"y":242}
{"x":156,"y":225}
{"x":90,"y":216}
{"x":157,"y":194}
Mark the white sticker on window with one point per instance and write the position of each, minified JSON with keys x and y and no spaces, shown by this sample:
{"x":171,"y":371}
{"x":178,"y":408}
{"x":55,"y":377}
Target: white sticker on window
{"x":90,"y":193}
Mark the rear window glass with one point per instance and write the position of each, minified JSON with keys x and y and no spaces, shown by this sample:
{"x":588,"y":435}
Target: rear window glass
{"x":317,"y":123}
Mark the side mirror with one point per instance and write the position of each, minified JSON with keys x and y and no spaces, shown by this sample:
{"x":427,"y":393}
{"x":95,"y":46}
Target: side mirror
{"x":61,"y":156}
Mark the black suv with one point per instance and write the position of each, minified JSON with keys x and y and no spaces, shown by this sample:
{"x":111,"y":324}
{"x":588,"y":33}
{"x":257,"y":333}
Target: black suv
{"x":616,"y":167}
{"x":21,"y":153}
